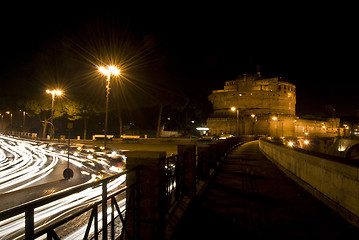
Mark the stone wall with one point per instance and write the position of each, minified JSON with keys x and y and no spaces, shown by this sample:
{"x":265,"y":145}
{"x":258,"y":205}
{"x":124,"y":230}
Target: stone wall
{"x":335,"y":183}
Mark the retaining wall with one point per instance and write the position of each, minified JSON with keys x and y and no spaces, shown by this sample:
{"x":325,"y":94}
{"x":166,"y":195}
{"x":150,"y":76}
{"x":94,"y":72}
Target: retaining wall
{"x":333,"y":181}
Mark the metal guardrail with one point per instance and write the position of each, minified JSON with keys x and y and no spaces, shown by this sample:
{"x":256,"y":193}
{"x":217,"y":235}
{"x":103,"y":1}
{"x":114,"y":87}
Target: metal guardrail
{"x":175,"y":179}
{"x":28,"y":210}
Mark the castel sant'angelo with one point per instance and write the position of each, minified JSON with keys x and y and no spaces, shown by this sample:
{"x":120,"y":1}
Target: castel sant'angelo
{"x":253,"y":104}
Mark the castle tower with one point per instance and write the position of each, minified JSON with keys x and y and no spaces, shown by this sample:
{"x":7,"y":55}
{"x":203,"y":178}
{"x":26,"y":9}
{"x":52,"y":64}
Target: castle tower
{"x":264,"y":106}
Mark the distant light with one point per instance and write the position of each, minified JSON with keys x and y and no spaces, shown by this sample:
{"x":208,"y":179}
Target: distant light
{"x":306,"y":142}
{"x":274,"y":118}
{"x":341,"y":148}
{"x":202,"y":129}
{"x":290,"y":144}
{"x":233,"y":109}
{"x":253,"y":115}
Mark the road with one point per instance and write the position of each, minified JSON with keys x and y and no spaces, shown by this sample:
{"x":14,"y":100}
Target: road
{"x":25,"y":163}
{"x":30,"y":169}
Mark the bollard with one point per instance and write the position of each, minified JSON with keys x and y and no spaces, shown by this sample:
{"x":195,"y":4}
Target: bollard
{"x":148,"y":220}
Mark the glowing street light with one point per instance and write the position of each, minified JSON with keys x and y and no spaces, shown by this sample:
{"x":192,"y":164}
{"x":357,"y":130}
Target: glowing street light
{"x":108,"y":71}
{"x":10,"y":113}
{"x":55,"y":92}
{"x":274,"y":118}
{"x":234,"y":109}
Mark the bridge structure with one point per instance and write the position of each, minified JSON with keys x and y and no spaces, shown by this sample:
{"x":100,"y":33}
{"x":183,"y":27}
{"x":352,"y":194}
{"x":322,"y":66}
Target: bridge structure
{"x":140,"y":203}
{"x":229,"y":189}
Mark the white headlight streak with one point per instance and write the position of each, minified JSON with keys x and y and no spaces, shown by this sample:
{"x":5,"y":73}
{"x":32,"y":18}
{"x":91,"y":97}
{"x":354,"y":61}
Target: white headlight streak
{"x":24,"y":163}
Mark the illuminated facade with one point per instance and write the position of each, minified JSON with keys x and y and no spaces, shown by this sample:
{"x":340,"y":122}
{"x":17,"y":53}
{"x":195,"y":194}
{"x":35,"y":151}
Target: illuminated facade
{"x":252,"y":104}
{"x":318,"y":128}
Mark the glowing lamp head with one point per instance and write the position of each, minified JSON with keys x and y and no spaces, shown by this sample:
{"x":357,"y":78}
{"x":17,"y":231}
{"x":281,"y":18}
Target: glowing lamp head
{"x":109,"y":70}
{"x":54,"y":92}
{"x":114,"y":70}
{"x":103,"y":70}
{"x":290,"y":144}
{"x":306,"y":142}
{"x":274,"y":118}
{"x":233,"y":109}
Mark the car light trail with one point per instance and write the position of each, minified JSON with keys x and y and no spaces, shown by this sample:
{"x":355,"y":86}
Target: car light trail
{"x":24,"y":163}
{"x":28,"y":165}
{"x":14,"y":228}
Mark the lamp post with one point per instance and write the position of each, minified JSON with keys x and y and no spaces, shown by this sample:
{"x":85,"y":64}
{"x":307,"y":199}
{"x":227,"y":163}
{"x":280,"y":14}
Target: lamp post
{"x":234,"y":109}
{"x":275,"y":119}
{"x":23,"y":120}
{"x":10,"y":113}
{"x":2,"y":122}
{"x":53,"y":93}
{"x":255,"y":119}
{"x":108,"y":71}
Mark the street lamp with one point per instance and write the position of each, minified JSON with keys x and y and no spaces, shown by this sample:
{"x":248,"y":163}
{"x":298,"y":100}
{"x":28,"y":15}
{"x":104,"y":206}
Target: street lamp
{"x":234,"y":109}
{"x":10,"y":113}
{"x":274,"y":118}
{"x":53,"y":93}
{"x":108,"y":71}
{"x":255,"y":119}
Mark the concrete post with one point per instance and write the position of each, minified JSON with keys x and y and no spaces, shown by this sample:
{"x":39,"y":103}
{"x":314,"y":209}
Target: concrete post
{"x":149,"y":222}
{"x":190,"y":167}
{"x":203,"y":162}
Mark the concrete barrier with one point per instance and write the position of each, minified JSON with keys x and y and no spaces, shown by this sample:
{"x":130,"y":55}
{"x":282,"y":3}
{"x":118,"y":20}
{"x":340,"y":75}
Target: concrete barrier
{"x":334,"y":182}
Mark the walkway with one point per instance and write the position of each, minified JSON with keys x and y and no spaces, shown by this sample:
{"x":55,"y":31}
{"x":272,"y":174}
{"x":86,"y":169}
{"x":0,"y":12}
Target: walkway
{"x":250,"y":198}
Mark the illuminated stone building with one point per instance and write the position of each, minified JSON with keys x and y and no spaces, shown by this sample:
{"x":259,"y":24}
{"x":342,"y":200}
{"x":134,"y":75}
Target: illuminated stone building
{"x":318,"y":128}
{"x":252,"y":104}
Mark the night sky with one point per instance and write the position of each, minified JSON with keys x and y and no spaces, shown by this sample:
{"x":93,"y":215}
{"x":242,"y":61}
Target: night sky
{"x":178,"y":49}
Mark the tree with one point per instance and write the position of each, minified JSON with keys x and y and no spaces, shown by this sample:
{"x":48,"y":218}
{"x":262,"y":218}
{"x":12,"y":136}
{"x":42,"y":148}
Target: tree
{"x":40,"y":108}
{"x":74,"y":110}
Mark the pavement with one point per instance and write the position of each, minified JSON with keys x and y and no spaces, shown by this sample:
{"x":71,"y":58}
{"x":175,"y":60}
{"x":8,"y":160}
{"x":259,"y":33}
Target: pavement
{"x":250,"y":198}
